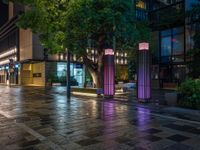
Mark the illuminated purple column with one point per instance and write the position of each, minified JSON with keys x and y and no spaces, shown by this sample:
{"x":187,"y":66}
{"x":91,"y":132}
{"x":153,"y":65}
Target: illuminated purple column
{"x":109,"y":73}
{"x":144,"y":74}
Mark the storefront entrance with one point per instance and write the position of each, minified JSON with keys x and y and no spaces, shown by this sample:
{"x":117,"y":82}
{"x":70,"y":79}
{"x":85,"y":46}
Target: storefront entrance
{"x":172,"y":75}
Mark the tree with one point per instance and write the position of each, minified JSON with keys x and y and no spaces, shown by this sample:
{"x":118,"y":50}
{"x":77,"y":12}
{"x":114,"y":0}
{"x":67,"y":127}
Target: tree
{"x":84,"y":24}
{"x":105,"y":24}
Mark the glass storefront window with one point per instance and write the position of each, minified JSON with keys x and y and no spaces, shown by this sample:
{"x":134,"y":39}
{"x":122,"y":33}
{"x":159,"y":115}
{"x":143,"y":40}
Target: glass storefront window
{"x":190,"y":32}
{"x":166,"y":46}
{"x":76,"y":71}
{"x":177,"y":30}
{"x":166,"y":33}
{"x":178,"y":44}
{"x":172,"y":44}
{"x":178,"y":73}
{"x":177,"y":58}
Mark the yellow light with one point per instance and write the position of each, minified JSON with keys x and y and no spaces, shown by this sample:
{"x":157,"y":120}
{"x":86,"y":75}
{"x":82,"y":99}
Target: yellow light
{"x":141,"y":4}
{"x":7,"y":53}
{"x":84,"y":94}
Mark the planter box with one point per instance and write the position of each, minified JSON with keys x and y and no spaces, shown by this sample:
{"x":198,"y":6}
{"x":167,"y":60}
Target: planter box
{"x":171,"y":98}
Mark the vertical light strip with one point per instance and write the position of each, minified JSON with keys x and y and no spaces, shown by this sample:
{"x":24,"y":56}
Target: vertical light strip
{"x":144,"y":78}
{"x":109,"y":83}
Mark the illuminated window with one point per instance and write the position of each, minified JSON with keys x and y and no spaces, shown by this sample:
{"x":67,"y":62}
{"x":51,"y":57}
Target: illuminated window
{"x":122,"y":61}
{"x":125,"y":61}
{"x":117,"y":61}
{"x":141,"y":4}
{"x":74,"y":57}
{"x":61,"y":57}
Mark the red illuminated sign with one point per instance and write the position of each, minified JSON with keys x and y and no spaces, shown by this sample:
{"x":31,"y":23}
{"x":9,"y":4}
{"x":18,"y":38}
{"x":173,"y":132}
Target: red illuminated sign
{"x":109,"y":52}
{"x":144,"y":46}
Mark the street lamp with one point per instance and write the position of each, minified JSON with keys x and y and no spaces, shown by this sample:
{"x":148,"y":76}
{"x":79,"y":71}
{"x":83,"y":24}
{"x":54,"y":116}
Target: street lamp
{"x":143,"y":73}
{"x":68,"y":75}
{"x":11,"y":69}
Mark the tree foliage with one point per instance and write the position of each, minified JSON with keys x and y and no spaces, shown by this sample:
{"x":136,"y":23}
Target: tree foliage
{"x":85,"y":24}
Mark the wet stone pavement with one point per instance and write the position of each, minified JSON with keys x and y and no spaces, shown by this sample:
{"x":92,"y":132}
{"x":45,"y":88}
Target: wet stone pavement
{"x":38,"y":119}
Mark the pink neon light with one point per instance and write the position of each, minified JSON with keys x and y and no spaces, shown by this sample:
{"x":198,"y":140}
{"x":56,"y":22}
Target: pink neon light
{"x":109,"y":82}
{"x":144,"y":46}
{"x":109,"y":52}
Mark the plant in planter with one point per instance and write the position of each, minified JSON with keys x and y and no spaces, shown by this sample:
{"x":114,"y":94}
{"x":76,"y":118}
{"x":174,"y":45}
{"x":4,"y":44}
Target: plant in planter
{"x":63,"y":81}
{"x":190,"y":91}
{"x":52,"y":78}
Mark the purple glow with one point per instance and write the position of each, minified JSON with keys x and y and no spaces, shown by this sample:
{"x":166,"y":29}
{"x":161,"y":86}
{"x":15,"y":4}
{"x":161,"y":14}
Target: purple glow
{"x":144,"y":86}
{"x":109,"y":82}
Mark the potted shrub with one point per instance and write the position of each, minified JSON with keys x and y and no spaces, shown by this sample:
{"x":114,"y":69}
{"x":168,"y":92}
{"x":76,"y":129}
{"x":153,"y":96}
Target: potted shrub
{"x":190,"y":94}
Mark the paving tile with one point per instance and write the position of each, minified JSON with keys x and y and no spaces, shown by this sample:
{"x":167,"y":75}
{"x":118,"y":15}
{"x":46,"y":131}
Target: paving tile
{"x":178,"y":138}
{"x":152,"y":131}
{"x":122,"y":139}
{"x":87,"y":142}
{"x":152,"y":138}
{"x":178,"y":147}
{"x":84,"y":123}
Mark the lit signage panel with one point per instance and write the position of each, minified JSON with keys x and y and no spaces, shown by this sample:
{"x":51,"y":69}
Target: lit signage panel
{"x":109,"y":52}
{"x":143,"y":46}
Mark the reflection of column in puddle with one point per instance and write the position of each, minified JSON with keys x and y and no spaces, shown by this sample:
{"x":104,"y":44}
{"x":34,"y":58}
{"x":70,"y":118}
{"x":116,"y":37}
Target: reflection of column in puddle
{"x":60,"y":107}
{"x":143,"y":117}
{"x":93,"y":110}
{"x":108,"y":115}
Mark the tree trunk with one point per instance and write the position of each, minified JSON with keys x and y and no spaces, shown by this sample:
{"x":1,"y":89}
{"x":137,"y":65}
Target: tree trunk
{"x":95,"y":70}
{"x":99,"y":77}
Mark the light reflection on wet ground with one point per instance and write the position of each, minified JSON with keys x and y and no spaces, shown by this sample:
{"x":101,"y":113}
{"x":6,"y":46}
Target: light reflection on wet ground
{"x":35,"y":118}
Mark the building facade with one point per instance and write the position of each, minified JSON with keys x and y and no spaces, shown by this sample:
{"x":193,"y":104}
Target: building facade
{"x":174,"y":38}
{"x":23,"y":60}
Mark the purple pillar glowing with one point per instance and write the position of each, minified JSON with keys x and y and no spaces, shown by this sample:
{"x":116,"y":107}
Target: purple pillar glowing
{"x":143,"y":74}
{"x":109,"y":73}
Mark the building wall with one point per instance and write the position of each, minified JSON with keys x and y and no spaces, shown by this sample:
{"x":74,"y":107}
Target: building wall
{"x":10,"y":10}
{"x":39,"y":68}
{"x":25,"y":44}
{"x":38,"y":52}
{"x":3,"y":13}
{"x":26,"y":74}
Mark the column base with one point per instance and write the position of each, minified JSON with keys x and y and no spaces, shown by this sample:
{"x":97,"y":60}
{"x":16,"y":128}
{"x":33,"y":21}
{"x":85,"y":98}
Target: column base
{"x":143,"y":100}
{"x":108,"y":96}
